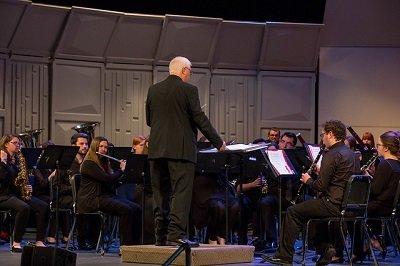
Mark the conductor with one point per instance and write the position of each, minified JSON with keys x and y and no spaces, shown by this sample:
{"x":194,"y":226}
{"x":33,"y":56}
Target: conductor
{"x":174,"y":114}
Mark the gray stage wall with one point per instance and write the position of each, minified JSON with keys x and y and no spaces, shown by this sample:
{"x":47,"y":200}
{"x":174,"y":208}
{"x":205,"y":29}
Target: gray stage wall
{"x":63,"y":66}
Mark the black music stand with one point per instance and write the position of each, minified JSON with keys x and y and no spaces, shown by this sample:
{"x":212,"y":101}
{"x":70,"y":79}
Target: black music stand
{"x":31,"y":156}
{"x":119,"y":153}
{"x":279,"y":177}
{"x":60,"y":158}
{"x":137,"y":168}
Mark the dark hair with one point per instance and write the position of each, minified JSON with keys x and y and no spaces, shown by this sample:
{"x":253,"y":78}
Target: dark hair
{"x":274,"y":129}
{"x":292,"y":136}
{"x":337,"y":128}
{"x":369,"y":136}
{"x":391,"y":140}
{"x":352,"y":142}
{"x":76,"y":136}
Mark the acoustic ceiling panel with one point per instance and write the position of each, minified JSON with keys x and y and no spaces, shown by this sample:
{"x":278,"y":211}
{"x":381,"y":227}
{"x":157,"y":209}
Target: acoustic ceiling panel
{"x":10,"y":15}
{"x":135,"y":39}
{"x":290,"y":46}
{"x":39,"y":30}
{"x":238,"y":45}
{"x":87,"y":34}
{"x":193,"y":37}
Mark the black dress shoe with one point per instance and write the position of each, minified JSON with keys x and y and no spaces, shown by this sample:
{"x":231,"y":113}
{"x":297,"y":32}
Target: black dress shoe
{"x":178,"y":242}
{"x":326,"y":258}
{"x":16,"y":250}
{"x":275,"y":260}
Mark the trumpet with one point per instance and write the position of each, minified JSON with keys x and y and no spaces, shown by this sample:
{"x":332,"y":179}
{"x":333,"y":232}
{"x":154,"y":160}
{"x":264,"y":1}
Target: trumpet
{"x":109,"y":157}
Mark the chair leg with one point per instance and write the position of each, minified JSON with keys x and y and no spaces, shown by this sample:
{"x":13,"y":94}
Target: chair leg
{"x":100,"y":241}
{"x":71,"y":233}
{"x":388,"y":226}
{"x":11,"y":230}
{"x":344,"y":240}
{"x":305,"y":243}
{"x":366,"y":232}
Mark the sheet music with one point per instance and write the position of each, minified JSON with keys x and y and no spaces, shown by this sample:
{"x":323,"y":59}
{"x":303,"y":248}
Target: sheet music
{"x":314,"y":150}
{"x":237,"y":147}
{"x":277,"y":159}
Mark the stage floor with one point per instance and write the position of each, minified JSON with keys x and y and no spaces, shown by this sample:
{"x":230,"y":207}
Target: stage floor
{"x":112,"y":258}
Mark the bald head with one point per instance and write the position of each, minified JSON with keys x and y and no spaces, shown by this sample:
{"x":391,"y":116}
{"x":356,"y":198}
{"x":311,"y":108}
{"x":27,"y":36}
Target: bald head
{"x":181,"y":67}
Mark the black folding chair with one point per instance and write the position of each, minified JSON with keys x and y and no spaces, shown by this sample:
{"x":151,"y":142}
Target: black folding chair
{"x":353,"y":209}
{"x":8,"y":213}
{"x":389,"y":224}
{"x":75,"y":183}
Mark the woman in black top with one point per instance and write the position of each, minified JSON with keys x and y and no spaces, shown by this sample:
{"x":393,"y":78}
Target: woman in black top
{"x":384,"y":183}
{"x":16,"y":192}
{"x":96,"y":192}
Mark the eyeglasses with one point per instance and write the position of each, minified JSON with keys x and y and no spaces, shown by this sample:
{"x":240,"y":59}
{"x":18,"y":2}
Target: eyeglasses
{"x":16,"y":143}
{"x":322,"y":134}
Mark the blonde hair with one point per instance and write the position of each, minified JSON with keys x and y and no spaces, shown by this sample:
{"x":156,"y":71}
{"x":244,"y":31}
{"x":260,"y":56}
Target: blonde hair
{"x":93,"y":156}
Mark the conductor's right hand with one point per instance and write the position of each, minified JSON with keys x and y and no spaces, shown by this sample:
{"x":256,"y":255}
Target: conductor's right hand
{"x":122,"y":165}
{"x":223,"y":147}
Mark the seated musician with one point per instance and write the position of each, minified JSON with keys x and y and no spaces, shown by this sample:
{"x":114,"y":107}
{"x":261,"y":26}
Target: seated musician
{"x":16,"y":192}
{"x":96,"y":192}
{"x":383,"y":186}
{"x":368,"y":139}
{"x":61,"y":181}
{"x":267,"y":204}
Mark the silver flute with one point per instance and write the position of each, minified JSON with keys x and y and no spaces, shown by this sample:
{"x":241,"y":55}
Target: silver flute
{"x":109,"y":157}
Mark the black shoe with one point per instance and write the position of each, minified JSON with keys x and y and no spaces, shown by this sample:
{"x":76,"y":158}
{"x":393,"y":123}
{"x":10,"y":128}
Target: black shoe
{"x":16,"y":250}
{"x":178,"y":242}
{"x":275,"y":260}
{"x":326,"y":258}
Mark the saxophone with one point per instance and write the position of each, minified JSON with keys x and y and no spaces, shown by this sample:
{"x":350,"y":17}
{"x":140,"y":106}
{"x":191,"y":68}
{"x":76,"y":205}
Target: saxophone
{"x":22,"y":180}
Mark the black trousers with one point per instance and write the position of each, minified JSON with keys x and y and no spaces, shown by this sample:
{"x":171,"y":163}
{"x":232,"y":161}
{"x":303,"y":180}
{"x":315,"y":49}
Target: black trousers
{"x":129,"y":217}
{"x":22,"y":210}
{"x":65,"y":202}
{"x":296,"y":217}
{"x":172,"y":185}
{"x":216,"y":224}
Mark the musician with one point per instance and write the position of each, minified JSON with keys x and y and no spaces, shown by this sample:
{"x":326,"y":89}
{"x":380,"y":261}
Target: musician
{"x":173,"y":112}
{"x":383,"y":187}
{"x":96,"y":192}
{"x":336,"y":168}
{"x":267,"y":204}
{"x":368,"y":139}
{"x":208,"y":206}
{"x":16,"y":192}
{"x":65,"y":200}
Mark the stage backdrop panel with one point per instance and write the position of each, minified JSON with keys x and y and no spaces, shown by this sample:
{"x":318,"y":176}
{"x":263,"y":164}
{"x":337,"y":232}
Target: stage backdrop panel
{"x":5,"y":96}
{"x":77,"y":96}
{"x":124,"y":102}
{"x":360,"y":86}
{"x":233,"y":104}
{"x":286,"y":100}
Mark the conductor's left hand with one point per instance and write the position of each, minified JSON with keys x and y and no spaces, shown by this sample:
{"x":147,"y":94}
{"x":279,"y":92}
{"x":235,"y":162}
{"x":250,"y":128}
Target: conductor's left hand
{"x":223,"y":147}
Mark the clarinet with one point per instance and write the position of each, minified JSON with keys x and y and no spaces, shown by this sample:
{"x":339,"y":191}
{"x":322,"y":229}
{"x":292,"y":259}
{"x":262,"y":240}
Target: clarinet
{"x":370,"y":162}
{"x":309,"y":171}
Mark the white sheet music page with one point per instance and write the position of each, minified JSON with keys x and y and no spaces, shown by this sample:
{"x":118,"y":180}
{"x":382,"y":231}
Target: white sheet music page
{"x":237,"y":147}
{"x":314,"y":150}
{"x":277,"y":159}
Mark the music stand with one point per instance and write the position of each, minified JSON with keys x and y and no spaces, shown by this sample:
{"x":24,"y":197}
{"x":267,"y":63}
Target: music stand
{"x":137,"y":168}
{"x":279,"y":177}
{"x":31,"y":156}
{"x":60,"y":158}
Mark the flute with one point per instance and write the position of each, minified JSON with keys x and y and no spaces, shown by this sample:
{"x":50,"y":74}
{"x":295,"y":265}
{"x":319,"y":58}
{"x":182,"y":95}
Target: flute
{"x":109,"y":157}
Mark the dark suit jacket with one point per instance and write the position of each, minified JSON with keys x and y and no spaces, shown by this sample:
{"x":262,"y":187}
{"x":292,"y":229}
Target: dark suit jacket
{"x":173,"y":112}
{"x":95,"y":183}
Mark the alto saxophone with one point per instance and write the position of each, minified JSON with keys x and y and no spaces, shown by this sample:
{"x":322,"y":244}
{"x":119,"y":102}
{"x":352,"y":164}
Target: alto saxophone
{"x":22,"y":179}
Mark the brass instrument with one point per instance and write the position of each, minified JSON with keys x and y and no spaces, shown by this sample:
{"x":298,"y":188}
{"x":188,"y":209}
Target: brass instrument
{"x":22,"y":179}
{"x":30,"y":138}
{"x":309,"y":171}
{"x":87,"y":128}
